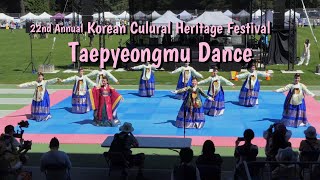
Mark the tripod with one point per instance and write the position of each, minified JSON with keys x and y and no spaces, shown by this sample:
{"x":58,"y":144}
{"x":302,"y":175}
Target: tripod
{"x":33,"y":69}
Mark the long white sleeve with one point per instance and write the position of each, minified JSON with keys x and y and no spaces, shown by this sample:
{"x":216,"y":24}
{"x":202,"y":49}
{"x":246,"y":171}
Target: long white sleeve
{"x":229,"y":83}
{"x":154,"y":68}
{"x":110,"y":76}
{"x":195,"y":73}
{"x":70,"y":79}
{"x":205,"y":81}
{"x":52,"y":81}
{"x":28,"y":84}
{"x":89,"y":81}
{"x":262,"y":74}
{"x":177,"y":70}
{"x":284,"y":89}
{"x":93,"y":73}
{"x":306,"y":90}
{"x":243,"y":75}
{"x":138,"y":67}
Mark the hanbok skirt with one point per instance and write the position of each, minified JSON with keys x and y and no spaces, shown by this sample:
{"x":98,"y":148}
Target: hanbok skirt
{"x":40,"y":110}
{"x":147,"y":87}
{"x":181,"y":85}
{"x":105,"y":121}
{"x":294,"y":115}
{"x":249,"y":97}
{"x":81,"y":103}
{"x":190,"y":118}
{"x":216,"y":107}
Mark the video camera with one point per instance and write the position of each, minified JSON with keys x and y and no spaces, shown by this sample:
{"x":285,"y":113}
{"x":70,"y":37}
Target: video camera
{"x":19,"y":133}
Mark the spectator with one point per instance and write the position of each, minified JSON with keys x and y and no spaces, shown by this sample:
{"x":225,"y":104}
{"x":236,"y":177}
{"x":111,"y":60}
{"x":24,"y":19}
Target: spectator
{"x":286,"y":170}
{"x":209,"y":163}
{"x":247,"y":152}
{"x":123,"y":142}
{"x":185,"y":170}
{"x":56,"y":164}
{"x":268,"y":136}
{"x":279,"y":140}
{"x":310,"y":147}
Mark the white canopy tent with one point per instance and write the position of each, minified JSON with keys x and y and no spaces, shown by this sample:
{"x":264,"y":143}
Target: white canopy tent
{"x":44,"y":16}
{"x":209,"y":18}
{"x":29,"y":16}
{"x":154,"y":15}
{"x":228,"y":13}
{"x":139,"y":15}
{"x":6,"y":17}
{"x":164,"y":20}
{"x":184,"y":15}
{"x":124,"y":15}
{"x":70,"y":16}
{"x":287,"y":14}
{"x":107,"y":15}
{"x":171,"y":13}
{"x":243,"y":13}
{"x":257,"y":14}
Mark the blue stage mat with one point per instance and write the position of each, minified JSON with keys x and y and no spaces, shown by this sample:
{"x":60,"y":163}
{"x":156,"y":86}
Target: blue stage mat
{"x":156,"y":116}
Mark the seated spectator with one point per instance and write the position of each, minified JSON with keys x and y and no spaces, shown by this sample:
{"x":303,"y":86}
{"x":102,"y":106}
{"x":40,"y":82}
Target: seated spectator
{"x":185,"y":170}
{"x":279,"y":140}
{"x":247,"y":152}
{"x":268,"y":136}
{"x":310,"y":147}
{"x":286,"y":171}
{"x":123,"y":142}
{"x":209,"y":163}
{"x":56,"y":164}
{"x":11,"y":142}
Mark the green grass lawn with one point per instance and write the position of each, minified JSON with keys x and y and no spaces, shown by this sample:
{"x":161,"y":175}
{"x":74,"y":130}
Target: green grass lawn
{"x":15,"y":54}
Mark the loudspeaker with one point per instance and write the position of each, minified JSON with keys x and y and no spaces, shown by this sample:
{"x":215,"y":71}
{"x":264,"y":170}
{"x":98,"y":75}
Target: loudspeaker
{"x":87,"y":11}
{"x":278,"y":16}
{"x":28,"y":24}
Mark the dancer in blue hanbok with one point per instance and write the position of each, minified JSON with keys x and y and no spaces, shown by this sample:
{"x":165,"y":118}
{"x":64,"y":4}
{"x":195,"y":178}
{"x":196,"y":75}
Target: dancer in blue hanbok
{"x":294,"y":110}
{"x":191,"y":113}
{"x":216,"y":107}
{"x":100,"y":74}
{"x":250,"y":89}
{"x":81,"y":102}
{"x":147,"y":79}
{"x":185,"y":78}
{"x":40,"y":108}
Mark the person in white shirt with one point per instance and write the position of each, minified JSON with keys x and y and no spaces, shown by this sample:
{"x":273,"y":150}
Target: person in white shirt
{"x":81,"y":102}
{"x":100,"y":74}
{"x":185,"y":78}
{"x":147,"y":79}
{"x":216,"y":107}
{"x":40,"y":109}
{"x":250,"y":89}
{"x":295,"y":111}
{"x":305,"y":54}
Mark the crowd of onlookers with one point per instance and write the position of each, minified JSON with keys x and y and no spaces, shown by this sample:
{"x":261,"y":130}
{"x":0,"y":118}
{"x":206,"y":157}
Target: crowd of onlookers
{"x":281,"y":162}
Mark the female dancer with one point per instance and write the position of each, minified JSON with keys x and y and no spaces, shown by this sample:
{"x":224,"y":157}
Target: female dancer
{"x":250,"y":89}
{"x":294,"y":110}
{"x":40,"y":108}
{"x":106,"y":101}
{"x":306,"y":53}
{"x":191,"y":114}
{"x":185,"y":78}
{"x":215,"y":90}
{"x":81,"y":102}
{"x":147,"y":80}
{"x":102,"y":72}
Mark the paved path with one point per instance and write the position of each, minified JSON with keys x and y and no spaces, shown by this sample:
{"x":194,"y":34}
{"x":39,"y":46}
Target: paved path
{"x":15,"y":100}
{"x":22,"y":91}
{"x":4,"y":113}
